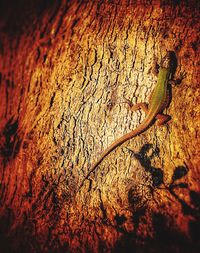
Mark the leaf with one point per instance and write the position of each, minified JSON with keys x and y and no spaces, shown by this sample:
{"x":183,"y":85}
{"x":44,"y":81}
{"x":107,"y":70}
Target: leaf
{"x":179,"y":172}
{"x":181,"y":185}
{"x":195,"y":198}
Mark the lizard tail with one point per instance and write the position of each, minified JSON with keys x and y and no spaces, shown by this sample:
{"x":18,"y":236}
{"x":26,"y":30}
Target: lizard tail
{"x":142,"y":127}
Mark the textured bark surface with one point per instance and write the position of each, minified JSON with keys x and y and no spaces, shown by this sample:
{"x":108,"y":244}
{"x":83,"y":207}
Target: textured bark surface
{"x":66,"y":70}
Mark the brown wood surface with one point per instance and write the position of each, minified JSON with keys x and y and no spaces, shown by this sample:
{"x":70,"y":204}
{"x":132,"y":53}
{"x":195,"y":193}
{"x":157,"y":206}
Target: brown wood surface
{"x":66,"y":70}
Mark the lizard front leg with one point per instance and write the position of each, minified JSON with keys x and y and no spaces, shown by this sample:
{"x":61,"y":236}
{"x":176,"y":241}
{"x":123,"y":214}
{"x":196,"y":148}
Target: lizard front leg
{"x":176,"y":81}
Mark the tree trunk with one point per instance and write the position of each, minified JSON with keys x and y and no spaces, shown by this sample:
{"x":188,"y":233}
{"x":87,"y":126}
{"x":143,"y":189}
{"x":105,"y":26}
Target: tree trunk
{"x":67,"y":69}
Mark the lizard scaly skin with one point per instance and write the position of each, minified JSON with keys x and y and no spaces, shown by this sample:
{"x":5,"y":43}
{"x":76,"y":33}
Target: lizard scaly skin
{"x":158,"y":102}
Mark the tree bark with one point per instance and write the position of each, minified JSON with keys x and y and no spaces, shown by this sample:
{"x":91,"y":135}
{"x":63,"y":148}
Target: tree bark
{"x":67,"y":69}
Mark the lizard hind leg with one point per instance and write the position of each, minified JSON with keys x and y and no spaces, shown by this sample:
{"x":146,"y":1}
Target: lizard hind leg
{"x":142,"y":106}
{"x":138,"y":106}
{"x":162,"y":119}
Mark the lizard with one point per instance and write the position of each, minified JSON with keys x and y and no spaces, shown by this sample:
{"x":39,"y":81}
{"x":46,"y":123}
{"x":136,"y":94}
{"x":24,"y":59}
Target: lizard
{"x":158,"y":101}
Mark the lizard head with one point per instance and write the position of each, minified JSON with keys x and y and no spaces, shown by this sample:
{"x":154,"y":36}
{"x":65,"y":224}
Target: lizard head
{"x":169,"y":61}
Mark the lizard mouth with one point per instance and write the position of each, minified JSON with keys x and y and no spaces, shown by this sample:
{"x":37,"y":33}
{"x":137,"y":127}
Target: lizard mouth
{"x":170,"y":61}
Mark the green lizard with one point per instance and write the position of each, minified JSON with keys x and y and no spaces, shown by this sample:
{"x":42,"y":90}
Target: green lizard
{"x":159,"y":100}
